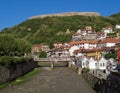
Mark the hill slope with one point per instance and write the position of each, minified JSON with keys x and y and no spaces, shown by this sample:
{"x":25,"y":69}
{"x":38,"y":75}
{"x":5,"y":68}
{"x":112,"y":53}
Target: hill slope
{"x":116,"y":16}
{"x":53,"y":29}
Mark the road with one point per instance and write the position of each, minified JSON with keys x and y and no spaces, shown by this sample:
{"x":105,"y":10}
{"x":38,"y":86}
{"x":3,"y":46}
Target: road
{"x":59,"y":80}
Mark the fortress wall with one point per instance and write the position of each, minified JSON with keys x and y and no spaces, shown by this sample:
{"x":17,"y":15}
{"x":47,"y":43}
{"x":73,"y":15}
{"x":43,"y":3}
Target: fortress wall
{"x":67,"y":14}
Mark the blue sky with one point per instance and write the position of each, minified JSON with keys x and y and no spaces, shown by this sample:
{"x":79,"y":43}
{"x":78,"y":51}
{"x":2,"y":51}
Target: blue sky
{"x":13,"y":12}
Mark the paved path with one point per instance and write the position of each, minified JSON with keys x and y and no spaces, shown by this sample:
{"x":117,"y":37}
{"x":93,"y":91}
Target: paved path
{"x":59,"y":80}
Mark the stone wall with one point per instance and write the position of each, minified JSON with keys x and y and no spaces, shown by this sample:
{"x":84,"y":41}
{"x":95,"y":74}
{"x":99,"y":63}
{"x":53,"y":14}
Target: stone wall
{"x":67,"y":14}
{"x":96,"y":83}
{"x":4,"y":74}
{"x":8,"y":74}
{"x":75,"y":68}
{"x":111,"y":85}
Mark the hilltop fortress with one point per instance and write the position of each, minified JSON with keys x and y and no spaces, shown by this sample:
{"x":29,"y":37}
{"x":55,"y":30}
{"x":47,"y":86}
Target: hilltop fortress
{"x":67,"y":14}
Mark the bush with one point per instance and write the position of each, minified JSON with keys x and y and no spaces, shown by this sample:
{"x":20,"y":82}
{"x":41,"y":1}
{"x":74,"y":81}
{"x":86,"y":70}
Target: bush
{"x":7,"y":61}
{"x":110,"y":55}
{"x":10,"y":46}
{"x":43,"y":54}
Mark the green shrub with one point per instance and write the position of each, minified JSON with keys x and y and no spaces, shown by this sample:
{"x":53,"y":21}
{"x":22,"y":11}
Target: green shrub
{"x":43,"y":54}
{"x":7,"y":61}
{"x":110,"y":55}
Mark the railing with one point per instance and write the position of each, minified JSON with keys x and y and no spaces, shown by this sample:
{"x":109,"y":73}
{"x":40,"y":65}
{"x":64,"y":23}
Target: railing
{"x":52,"y":59}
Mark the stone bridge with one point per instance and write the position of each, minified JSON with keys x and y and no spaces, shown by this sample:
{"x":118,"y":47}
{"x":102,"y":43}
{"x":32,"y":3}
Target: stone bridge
{"x":53,"y":61}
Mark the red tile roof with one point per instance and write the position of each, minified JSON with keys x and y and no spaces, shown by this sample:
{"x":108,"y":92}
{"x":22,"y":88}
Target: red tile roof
{"x":93,"y":50}
{"x":83,"y":42}
{"x":110,"y":40}
{"x":108,"y":27}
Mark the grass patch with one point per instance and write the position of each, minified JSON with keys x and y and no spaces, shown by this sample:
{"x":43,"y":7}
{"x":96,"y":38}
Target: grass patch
{"x":21,"y":79}
{"x":4,"y":85}
{"x":25,"y":78}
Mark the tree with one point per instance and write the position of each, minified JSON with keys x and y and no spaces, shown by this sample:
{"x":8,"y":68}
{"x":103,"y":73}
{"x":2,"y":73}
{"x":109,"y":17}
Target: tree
{"x":23,"y":46}
{"x":110,"y":55}
{"x":9,"y":46}
{"x":43,"y":54}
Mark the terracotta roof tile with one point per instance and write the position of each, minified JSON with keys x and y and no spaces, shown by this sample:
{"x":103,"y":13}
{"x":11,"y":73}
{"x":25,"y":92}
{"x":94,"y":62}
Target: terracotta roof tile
{"x":83,"y":42}
{"x":110,"y":40}
{"x":93,"y":50}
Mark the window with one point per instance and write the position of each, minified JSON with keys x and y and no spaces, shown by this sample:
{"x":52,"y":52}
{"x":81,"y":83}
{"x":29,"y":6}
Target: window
{"x":96,"y":64}
{"x":100,"y":64}
{"x":103,"y":64}
{"x":83,"y":64}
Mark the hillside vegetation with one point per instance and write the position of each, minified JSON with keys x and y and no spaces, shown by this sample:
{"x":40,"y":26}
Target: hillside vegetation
{"x":53,"y":29}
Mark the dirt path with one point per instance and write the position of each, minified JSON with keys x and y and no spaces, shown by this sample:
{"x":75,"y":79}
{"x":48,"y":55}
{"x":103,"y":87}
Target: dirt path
{"x":59,"y":80}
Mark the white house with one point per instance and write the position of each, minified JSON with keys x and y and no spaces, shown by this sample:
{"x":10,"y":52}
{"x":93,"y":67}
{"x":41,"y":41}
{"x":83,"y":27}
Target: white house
{"x":85,"y":34}
{"x":110,"y":42}
{"x":108,"y":29}
{"x":57,"y":45}
{"x":79,"y":54}
{"x":102,"y":64}
{"x":78,"y":31}
{"x":72,"y":49}
{"x":62,"y":53}
{"x":84,"y":62}
{"x":101,"y":35}
{"x":117,"y":26}
{"x":85,"y":44}
{"x":92,"y":64}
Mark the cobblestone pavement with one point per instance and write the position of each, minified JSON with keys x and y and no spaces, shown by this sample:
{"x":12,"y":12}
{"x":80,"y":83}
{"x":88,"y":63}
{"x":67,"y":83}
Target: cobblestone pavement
{"x":59,"y":80}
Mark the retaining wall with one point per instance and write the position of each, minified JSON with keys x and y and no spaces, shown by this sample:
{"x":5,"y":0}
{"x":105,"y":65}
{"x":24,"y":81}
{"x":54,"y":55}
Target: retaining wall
{"x":16,"y":70}
{"x":110,"y":85}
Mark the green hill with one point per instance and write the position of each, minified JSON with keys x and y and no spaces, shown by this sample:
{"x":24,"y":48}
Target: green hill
{"x":53,"y":29}
{"x":116,"y":15}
